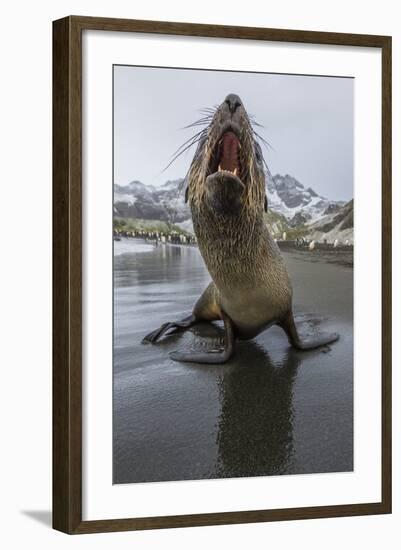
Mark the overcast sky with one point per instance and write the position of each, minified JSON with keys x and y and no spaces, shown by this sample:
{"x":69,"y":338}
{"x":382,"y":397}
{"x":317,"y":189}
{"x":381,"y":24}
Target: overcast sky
{"x":308,"y":121}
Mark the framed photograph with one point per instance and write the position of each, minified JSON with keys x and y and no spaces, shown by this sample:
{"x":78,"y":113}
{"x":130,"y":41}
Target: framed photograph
{"x":222,"y":274}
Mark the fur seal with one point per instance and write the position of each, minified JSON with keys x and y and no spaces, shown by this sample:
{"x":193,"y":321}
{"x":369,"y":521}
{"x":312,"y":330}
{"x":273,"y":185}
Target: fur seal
{"x":250,"y":289}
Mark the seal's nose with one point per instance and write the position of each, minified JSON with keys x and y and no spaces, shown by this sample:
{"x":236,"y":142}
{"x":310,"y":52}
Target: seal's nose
{"x":233,"y":101}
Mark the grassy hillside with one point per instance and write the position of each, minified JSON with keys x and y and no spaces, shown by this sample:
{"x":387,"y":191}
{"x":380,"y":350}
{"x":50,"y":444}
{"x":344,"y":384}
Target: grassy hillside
{"x":278,"y":224}
{"x":131,"y":224}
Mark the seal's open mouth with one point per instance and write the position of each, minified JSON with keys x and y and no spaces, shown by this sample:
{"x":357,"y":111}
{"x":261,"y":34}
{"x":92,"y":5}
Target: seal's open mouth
{"x":226,"y":155}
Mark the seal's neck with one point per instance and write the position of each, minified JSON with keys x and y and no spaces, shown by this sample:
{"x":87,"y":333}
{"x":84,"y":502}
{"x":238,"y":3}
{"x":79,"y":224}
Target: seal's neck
{"x":229,"y":244}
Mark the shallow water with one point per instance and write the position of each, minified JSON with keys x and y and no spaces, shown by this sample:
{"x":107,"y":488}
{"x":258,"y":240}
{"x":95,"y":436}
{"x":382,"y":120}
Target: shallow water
{"x":270,"y":410}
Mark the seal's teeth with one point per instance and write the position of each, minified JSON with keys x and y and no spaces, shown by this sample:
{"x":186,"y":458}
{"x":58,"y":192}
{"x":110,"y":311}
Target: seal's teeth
{"x":227,"y":171}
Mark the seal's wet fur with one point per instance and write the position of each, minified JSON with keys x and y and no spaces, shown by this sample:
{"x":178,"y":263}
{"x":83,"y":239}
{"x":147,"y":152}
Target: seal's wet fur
{"x":250,"y":289}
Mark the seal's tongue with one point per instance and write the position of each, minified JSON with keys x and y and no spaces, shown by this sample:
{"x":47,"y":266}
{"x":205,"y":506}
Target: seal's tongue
{"x":229,"y":149}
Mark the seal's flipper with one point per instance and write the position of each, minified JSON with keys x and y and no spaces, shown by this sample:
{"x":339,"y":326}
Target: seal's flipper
{"x":289,"y":326}
{"x":211,"y":357}
{"x":170,"y":328}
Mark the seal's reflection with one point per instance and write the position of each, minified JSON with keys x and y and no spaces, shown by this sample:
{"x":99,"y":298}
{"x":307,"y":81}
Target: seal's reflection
{"x":256,"y":423}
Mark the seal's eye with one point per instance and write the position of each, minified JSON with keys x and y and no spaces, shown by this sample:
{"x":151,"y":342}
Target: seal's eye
{"x":258,"y":153}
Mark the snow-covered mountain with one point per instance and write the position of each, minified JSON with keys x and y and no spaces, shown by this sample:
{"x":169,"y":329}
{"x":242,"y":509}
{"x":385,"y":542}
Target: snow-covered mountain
{"x":290,"y":203}
{"x":338,"y":225}
{"x":165,"y":203}
{"x":300,"y":205}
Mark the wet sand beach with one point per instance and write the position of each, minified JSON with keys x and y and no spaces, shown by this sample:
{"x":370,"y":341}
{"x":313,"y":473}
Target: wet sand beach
{"x":270,"y":410}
